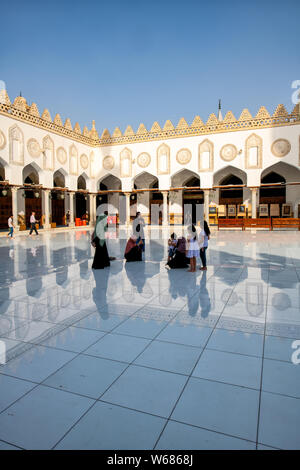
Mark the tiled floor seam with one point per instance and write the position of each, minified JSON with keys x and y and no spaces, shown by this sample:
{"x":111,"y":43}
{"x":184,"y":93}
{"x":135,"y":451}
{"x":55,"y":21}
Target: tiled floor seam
{"x":184,"y":387}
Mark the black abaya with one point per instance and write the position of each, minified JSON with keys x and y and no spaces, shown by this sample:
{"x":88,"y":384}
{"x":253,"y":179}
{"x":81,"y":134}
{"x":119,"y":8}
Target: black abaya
{"x":101,"y":258}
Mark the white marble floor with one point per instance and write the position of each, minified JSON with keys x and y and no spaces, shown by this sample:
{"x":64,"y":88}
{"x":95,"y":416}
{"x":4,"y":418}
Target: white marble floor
{"x":139,"y":357}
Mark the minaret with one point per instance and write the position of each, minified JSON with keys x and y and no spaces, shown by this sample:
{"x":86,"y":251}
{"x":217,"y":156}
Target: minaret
{"x":220,"y":117}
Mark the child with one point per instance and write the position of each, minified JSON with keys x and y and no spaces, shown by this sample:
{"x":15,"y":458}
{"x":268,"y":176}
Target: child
{"x":192,"y":248}
{"x":205,"y":233}
{"x":11,"y":227}
{"x":172,"y":242}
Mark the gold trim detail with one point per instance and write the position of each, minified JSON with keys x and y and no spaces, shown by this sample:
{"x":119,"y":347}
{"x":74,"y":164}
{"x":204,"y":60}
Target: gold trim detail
{"x":228,"y":152}
{"x":280,"y":148}
{"x":183,"y":156}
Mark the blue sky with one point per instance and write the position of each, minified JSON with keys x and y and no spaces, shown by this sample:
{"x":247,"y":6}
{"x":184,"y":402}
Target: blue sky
{"x":127,"y":62}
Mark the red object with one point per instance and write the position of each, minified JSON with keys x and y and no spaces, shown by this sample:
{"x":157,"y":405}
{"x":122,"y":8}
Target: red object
{"x":112,"y":219}
{"x":83,"y":222}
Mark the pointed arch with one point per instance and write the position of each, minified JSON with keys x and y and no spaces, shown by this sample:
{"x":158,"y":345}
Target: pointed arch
{"x":59,"y":179}
{"x":145,"y":180}
{"x":31,"y":173}
{"x":163,"y":159}
{"x":253,"y":152}
{"x":185,"y":177}
{"x":228,"y":171}
{"x":108,"y":182}
{"x":73,"y":160}
{"x":126,"y":163}
{"x":288,"y":171}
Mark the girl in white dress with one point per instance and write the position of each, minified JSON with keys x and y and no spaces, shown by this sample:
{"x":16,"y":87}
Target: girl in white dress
{"x":192,"y":251}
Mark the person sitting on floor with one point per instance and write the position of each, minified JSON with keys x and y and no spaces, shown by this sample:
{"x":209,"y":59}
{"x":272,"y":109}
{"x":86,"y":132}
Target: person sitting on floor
{"x":133,"y":250}
{"x":179,"y":260}
{"x":172,"y":243}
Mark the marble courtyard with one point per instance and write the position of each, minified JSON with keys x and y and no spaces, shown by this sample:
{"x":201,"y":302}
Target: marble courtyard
{"x":140,"y":357}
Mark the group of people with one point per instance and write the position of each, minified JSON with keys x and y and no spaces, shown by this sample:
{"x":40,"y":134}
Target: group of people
{"x":183,"y":252}
{"x":33,"y":223}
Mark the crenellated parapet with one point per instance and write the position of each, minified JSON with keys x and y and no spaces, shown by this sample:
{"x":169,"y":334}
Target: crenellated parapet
{"x":21,"y":111}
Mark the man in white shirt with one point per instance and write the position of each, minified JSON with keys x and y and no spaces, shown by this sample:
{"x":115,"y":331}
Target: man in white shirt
{"x":33,"y":222}
{"x":11,"y":227}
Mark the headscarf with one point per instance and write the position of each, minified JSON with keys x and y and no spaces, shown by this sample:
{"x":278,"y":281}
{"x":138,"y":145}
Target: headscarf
{"x":181,"y":245}
{"x":101,"y":228}
{"x":130,"y":244}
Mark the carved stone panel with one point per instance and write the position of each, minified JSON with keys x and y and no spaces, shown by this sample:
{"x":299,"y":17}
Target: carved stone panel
{"x":84,"y":161}
{"x":143,"y":160}
{"x":280,"y":148}
{"x":125,"y":163}
{"x":2,"y":140}
{"x":16,"y":145}
{"x":184,"y":156}
{"x":206,"y":156}
{"x":163,"y":160}
{"x":253,"y":146}
{"x":33,"y":148}
{"x":61,"y":155}
{"x":108,"y":162}
{"x":228,"y":152}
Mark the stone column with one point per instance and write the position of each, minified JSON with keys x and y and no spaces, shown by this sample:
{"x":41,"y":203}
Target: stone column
{"x":253,"y":203}
{"x":128,"y":208}
{"x":92,"y":208}
{"x":14,"y":197}
{"x":46,"y":193}
{"x":206,"y":205}
{"x":71,"y":196}
{"x":165,"y":208}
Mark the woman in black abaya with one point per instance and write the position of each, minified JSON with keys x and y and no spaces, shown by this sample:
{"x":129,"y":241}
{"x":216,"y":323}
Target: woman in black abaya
{"x":101,"y":258}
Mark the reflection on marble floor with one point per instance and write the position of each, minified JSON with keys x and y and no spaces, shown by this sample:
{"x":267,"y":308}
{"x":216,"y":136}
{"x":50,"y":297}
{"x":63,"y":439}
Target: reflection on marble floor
{"x":175,"y":353}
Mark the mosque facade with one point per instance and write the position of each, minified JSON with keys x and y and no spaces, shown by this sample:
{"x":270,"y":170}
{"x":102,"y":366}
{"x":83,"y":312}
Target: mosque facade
{"x":246,"y":167}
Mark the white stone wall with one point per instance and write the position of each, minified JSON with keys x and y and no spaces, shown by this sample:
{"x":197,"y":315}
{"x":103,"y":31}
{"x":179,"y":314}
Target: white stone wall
{"x":15,"y":156}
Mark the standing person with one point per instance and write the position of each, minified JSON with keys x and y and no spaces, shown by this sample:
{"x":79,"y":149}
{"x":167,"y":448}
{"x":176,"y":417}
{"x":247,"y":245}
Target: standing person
{"x":138,"y":228}
{"x":33,"y":222}
{"x":205,"y":234}
{"x":192,"y":251}
{"x":172,"y":243}
{"x":10,"y":227}
{"x":101,"y":258}
{"x":68,"y":216}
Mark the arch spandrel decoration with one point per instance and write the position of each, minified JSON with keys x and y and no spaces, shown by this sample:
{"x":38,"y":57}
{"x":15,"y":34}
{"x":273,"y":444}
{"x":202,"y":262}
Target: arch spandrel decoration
{"x":48,"y":151}
{"x":73,"y":160}
{"x":184,"y":156}
{"x":108,"y":162}
{"x":280,"y":148}
{"x":34,"y":148}
{"x":84,"y":161}
{"x":61,"y":155}
{"x":2,"y":140}
{"x":163,"y":160}
{"x":16,"y":145}
{"x":253,"y":151}
{"x":125,"y":163}
{"x":206,"y":156}
{"x":144,"y":159}
{"x":228,"y":152}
